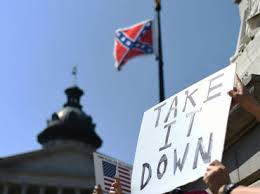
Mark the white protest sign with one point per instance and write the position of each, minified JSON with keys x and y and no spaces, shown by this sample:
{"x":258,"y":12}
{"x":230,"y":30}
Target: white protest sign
{"x":180,"y":136}
{"x":108,"y":168}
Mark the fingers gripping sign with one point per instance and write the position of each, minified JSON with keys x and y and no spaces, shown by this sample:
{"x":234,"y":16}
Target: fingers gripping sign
{"x":116,"y":187}
{"x":97,"y":190}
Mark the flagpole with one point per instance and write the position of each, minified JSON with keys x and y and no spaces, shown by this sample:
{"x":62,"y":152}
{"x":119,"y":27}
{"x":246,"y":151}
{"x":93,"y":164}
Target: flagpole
{"x":159,"y":56}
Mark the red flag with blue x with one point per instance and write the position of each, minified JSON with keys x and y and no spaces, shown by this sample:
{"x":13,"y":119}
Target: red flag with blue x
{"x":133,"y":41}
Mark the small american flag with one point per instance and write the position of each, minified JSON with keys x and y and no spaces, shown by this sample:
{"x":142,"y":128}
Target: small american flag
{"x":111,"y":171}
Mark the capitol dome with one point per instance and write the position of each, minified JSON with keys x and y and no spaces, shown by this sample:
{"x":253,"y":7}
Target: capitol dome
{"x":71,"y":123}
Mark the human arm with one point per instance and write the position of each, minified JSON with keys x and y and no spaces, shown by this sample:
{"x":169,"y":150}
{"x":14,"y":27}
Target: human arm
{"x":244,"y":99}
{"x":217,"y":176}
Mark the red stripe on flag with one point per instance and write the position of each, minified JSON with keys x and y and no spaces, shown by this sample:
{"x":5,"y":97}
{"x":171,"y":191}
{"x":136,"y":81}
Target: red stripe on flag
{"x":108,"y":183}
{"x":107,"y":188}
{"x":124,"y":185}
{"x":109,"y":179}
{"x":124,"y":173}
{"x":128,"y":191}
{"x":122,"y":168}
{"x":127,"y":182}
{"x":124,"y":177}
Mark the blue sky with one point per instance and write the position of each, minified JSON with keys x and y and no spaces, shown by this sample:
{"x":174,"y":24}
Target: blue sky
{"x":41,"y":40}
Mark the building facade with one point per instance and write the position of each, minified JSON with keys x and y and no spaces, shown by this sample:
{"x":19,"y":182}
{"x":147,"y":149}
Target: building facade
{"x":242,"y":147}
{"x":64,"y":165}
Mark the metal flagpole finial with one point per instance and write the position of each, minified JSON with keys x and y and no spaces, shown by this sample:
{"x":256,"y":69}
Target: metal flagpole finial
{"x":157,"y":5}
{"x":74,"y":74}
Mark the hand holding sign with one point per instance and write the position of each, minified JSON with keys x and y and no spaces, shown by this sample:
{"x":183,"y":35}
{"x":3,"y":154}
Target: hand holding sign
{"x":97,"y":190}
{"x":241,"y":95}
{"x":108,"y":171}
{"x":116,"y":187}
{"x":216,"y":176}
{"x":180,"y":136}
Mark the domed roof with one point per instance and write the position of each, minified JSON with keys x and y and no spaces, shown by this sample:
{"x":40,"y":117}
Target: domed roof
{"x":71,"y":123}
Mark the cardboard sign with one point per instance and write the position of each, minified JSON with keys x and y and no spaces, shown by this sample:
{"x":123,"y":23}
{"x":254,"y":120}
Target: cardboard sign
{"x":180,"y":136}
{"x":108,"y":168}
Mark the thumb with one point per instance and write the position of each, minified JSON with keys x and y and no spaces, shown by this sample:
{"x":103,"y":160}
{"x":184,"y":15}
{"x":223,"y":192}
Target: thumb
{"x":232,"y":93}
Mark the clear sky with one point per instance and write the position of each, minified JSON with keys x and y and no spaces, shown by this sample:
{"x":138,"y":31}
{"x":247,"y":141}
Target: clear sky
{"x":41,"y":40}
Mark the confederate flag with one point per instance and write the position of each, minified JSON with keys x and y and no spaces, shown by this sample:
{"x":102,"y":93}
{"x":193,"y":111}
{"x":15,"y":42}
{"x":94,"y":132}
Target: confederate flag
{"x":133,"y":41}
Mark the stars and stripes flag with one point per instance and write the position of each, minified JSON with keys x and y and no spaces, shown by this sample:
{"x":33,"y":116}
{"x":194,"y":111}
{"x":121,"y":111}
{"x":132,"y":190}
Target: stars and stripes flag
{"x":107,"y":169}
{"x":133,"y":41}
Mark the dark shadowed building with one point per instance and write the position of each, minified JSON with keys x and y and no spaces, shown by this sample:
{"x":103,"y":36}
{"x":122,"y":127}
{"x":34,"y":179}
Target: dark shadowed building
{"x":64,"y":165}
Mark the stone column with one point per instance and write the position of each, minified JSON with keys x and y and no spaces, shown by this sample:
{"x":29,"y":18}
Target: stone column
{"x":42,"y":190}
{"x":5,"y":189}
